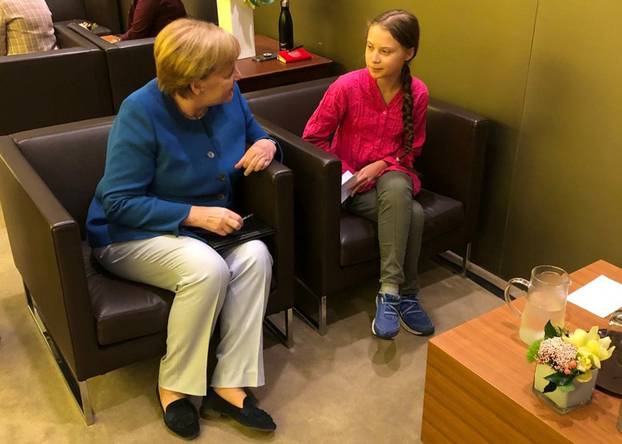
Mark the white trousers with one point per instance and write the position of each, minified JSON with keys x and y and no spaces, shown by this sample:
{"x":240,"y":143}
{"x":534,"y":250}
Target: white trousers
{"x":235,"y":286}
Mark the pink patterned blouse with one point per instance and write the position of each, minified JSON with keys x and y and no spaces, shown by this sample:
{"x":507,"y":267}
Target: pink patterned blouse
{"x":365,"y":128}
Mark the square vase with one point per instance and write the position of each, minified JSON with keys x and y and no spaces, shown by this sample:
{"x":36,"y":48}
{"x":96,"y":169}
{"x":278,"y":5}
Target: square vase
{"x":237,"y":18}
{"x":560,"y":400}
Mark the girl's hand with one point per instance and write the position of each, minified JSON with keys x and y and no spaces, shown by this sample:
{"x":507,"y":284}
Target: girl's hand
{"x":367,"y":174}
{"x":257,"y":157}
{"x":218,"y":220}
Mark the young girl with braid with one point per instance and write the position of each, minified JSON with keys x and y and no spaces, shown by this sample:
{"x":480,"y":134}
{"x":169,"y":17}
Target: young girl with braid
{"x":373,"y":120}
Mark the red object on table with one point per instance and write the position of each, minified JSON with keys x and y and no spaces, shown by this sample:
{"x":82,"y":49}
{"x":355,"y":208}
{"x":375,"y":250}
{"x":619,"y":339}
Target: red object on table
{"x":294,"y":55}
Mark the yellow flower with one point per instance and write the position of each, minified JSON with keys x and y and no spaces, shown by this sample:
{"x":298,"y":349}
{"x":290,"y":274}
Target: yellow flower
{"x":591,"y":348}
{"x":577,"y":338}
{"x":583,"y":363}
{"x":584,"y":377}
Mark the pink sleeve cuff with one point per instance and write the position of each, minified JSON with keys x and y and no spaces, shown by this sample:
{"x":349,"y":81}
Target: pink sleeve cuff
{"x":391,"y":160}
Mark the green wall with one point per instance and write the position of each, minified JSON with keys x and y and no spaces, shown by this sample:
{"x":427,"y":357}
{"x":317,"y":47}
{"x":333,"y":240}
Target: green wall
{"x":566,"y":203}
{"x":542,"y":70}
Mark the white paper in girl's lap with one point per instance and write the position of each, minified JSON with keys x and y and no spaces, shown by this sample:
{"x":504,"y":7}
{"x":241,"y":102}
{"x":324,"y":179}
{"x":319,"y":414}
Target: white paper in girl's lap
{"x":602,"y":296}
{"x":348,"y":180}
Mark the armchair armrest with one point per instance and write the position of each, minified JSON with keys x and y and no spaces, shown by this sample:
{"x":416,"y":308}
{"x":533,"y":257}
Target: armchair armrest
{"x":45,"y":242}
{"x":452,"y":161}
{"x":67,"y":39}
{"x":73,"y":81}
{"x":317,"y":185}
{"x":130,"y":63}
{"x":269,"y":195}
{"x":103,"y":12}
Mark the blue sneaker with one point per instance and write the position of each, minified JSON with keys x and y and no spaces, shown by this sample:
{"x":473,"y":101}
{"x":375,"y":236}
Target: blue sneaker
{"x":386,"y":324}
{"x":412,"y":316}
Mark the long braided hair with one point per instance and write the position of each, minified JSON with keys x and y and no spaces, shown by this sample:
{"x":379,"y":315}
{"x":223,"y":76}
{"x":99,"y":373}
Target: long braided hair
{"x":404,"y":28}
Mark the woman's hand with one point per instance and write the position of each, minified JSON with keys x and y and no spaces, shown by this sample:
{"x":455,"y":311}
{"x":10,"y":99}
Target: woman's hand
{"x":218,"y":220}
{"x":257,"y":157}
{"x":367,"y":174}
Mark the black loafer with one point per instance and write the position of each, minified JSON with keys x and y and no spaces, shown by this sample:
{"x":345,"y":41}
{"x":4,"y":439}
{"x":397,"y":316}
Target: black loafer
{"x":249,"y":416}
{"x":181,"y":417}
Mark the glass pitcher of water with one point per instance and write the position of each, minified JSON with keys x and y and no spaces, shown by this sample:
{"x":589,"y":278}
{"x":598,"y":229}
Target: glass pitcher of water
{"x":545,"y":301}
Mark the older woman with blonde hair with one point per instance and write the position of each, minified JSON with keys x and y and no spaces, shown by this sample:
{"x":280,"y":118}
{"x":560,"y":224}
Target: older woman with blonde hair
{"x":175,"y":150}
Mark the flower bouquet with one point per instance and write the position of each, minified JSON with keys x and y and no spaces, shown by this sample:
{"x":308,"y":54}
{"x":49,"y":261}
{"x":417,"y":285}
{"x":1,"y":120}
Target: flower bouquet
{"x":567,"y":365}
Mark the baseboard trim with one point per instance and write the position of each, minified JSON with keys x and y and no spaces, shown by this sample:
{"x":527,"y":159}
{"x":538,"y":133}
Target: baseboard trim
{"x":494,"y":282}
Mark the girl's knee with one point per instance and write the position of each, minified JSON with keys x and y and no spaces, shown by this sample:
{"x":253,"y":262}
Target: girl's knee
{"x":395,"y":187}
{"x":417,"y":211}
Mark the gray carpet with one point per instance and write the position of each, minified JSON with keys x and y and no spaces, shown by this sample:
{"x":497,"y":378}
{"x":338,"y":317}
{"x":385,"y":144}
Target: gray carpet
{"x":345,"y":387}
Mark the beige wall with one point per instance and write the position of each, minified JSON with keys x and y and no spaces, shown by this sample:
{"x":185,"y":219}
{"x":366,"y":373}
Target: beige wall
{"x":548,"y":73}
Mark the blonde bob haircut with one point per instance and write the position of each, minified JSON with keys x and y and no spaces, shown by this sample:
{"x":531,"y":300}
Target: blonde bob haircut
{"x":187,"y":50}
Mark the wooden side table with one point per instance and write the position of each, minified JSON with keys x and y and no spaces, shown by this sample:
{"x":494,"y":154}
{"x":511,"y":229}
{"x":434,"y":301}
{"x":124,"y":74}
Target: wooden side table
{"x":261,"y":75}
{"x":478,"y":384}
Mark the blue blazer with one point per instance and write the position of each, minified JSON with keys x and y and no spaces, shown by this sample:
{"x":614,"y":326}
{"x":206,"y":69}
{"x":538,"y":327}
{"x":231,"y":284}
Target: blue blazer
{"x":160,"y":163}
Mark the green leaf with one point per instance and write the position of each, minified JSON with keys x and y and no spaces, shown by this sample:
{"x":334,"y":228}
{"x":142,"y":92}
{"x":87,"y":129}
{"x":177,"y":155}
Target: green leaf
{"x":550,"y":331}
{"x":532,"y":351}
{"x":560,"y":378}
{"x":550,"y":387}
{"x":566,"y":388}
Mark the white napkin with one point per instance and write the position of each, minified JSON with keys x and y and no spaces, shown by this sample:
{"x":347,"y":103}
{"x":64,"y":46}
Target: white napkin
{"x":602,"y":296}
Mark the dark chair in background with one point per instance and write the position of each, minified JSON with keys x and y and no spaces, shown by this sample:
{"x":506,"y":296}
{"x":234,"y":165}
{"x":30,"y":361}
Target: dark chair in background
{"x":105,"y":13}
{"x":335,"y":249}
{"x":95,"y":322}
{"x":130,"y":63}
{"x":51,"y":87}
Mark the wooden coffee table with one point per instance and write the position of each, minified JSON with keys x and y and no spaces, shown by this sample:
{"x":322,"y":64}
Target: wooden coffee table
{"x":478,"y":383}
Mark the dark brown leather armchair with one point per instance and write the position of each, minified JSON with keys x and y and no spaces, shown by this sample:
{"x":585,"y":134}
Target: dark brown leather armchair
{"x":130,"y":63}
{"x":103,"y":12}
{"x":335,"y":249}
{"x":93,"y":320}
{"x":51,"y":87}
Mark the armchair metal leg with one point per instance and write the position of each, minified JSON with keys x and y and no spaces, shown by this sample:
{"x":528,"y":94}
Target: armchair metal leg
{"x":78,"y":389}
{"x":322,"y":313}
{"x":286,"y":336}
{"x":320,"y":324}
{"x":289,"y":327}
{"x":312,"y":303}
{"x":85,"y":404}
{"x":466,"y":259}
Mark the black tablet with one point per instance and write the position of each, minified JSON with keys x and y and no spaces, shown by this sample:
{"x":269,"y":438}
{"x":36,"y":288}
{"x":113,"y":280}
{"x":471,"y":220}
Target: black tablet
{"x":253,"y":228}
